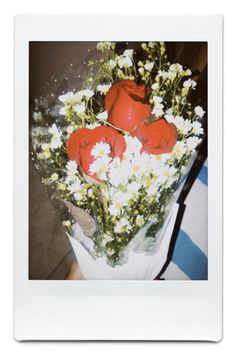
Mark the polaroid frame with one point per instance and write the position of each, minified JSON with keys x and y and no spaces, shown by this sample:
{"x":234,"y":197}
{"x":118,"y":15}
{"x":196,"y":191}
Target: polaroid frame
{"x":138,"y":310}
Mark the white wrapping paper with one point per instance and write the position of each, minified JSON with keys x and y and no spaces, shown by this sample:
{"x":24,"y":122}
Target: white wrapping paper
{"x":137,"y":266}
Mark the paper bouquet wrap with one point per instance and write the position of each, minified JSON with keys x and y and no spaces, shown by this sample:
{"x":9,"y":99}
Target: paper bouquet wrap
{"x":113,"y":144}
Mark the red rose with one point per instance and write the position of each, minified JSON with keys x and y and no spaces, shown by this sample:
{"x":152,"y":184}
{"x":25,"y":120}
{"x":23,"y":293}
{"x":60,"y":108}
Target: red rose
{"x":158,"y":137}
{"x":126,"y":104}
{"x":81,"y":142}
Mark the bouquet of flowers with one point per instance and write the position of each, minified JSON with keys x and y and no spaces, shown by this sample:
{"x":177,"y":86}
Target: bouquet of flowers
{"x":114,"y":151}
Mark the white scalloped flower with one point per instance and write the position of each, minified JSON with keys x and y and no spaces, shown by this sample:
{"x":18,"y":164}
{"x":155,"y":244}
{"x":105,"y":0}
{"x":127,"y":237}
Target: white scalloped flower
{"x":102,"y":116}
{"x":149,"y":66}
{"x":79,"y":107}
{"x":176,"y":68}
{"x":155,"y":86}
{"x":54,"y":177}
{"x":167,"y":175}
{"x":67,"y":97}
{"x":133,"y":187}
{"x":100,"y":166}
{"x":133,"y":147}
{"x":104,"y":45}
{"x":158,"y":106}
{"x":115,"y":208}
{"x":183,"y":125}
{"x":190,"y":84}
{"x":152,"y":190}
{"x":192,"y":142}
{"x":55,"y":142}
{"x":139,"y":220}
{"x":197,"y":128}
{"x":179,"y":150}
{"x":124,"y":61}
{"x":76,"y":189}
{"x":101,"y":149}
{"x":199,"y":111}
{"x":122,"y":225}
{"x":87,"y":93}
{"x":116,"y":174}
{"x":71,"y":167}
{"x":111,"y":64}
{"x":103,"y":89}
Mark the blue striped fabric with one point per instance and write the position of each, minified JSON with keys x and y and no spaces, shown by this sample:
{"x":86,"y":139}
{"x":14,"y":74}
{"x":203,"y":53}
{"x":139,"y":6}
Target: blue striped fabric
{"x":189,"y":259}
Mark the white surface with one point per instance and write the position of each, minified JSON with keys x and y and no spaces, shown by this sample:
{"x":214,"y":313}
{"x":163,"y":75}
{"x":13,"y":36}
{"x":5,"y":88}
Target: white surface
{"x":140,"y":309}
{"x":138,"y":266}
{"x":8,"y":9}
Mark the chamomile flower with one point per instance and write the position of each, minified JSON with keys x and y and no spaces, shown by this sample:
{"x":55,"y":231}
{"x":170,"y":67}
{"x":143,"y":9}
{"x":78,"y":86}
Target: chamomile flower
{"x":115,"y":208}
{"x":101,"y":149}
{"x":100,"y":166}
{"x":139,"y":220}
{"x":197,"y":128}
{"x":122,"y":225}
{"x":179,"y":150}
{"x":192,"y":142}
{"x":167,"y":175}
{"x":71,"y":168}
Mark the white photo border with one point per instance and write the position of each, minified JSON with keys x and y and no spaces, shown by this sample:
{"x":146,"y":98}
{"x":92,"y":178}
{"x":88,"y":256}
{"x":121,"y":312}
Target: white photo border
{"x":118,"y":310}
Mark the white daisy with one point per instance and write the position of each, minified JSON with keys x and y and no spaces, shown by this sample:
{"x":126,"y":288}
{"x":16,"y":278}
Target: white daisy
{"x":122,"y":225}
{"x":192,"y":142}
{"x":100,"y":149}
{"x":199,"y":111}
{"x":100,"y":166}
{"x":197,"y":128}
{"x":139,"y":220}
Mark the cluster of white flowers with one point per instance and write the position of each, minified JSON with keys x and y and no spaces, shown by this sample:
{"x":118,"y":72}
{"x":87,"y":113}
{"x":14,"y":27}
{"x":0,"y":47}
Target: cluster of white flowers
{"x":125,"y":60}
{"x":104,"y":88}
{"x":103,"y":46}
{"x":186,"y":126}
{"x":73,"y":183}
{"x":77,"y":100}
{"x":157,"y":106}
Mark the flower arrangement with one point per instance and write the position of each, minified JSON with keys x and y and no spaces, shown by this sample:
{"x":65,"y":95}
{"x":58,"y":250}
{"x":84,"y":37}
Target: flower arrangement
{"x":114,"y":152}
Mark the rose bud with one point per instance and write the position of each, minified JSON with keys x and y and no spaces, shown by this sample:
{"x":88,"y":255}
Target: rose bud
{"x":126,"y":104}
{"x":158,"y":137}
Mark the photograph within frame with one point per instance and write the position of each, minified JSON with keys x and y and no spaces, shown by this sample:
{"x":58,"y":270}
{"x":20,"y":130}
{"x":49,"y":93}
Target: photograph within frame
{"x":58,"y":68}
